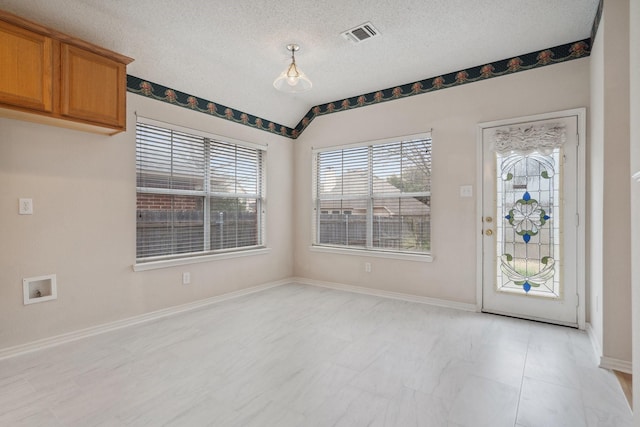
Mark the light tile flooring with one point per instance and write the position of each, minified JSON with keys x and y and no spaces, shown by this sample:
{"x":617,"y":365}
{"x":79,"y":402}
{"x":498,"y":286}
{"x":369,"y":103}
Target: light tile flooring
{"x":305,"y":356}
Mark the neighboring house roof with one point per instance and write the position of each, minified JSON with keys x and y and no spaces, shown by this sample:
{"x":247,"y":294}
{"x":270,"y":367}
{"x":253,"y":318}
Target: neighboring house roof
{"x":354,"y":182}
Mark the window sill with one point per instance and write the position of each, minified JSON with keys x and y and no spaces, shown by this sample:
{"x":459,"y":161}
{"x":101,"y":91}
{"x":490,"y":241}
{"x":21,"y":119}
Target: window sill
{"x":154,"y":265}
{"x":373,"y":253}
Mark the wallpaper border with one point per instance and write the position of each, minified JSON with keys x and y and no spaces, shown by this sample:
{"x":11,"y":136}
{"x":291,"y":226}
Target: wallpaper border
{"x":172,"y":96}
{"x":528,"y":61}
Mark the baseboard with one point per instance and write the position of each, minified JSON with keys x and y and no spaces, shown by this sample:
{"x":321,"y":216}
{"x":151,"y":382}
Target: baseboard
{"x":597,"y":350}
{"x":616,"y":364}
{"x":605,"y":361}
{"x":135,"y":320}
{"x":387,"y":294}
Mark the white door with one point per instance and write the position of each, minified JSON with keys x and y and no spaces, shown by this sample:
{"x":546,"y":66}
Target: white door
{"x":530,"y":221}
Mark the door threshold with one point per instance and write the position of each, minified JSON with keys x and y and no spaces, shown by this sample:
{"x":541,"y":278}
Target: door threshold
{"x":532,"y":318}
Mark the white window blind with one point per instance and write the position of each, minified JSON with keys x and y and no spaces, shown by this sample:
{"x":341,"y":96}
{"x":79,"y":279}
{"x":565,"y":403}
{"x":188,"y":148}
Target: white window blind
{"x":195,"y":193}
{"x":375,"y":196}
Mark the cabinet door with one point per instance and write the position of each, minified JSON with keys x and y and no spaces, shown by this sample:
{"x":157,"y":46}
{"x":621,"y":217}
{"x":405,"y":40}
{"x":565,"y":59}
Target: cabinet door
{"x":93,"y":87}
{"x":26,"y":68}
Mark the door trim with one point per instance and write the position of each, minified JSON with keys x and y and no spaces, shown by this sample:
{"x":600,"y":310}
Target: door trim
{"x":581,"y":180}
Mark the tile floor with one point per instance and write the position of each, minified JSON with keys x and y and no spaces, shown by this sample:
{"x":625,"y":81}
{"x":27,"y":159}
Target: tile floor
{"x":305,"y":356}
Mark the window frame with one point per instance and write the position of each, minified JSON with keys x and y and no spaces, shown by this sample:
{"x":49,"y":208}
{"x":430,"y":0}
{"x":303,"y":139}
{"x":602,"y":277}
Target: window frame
{"x":207,"y":195}
{"x":369,"y":249}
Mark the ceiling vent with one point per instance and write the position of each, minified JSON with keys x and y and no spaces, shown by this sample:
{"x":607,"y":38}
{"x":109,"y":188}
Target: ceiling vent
{"x":361,"y":33}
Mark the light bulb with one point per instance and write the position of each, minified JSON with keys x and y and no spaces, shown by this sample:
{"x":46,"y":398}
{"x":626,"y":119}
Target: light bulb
{"x":292,"y":74}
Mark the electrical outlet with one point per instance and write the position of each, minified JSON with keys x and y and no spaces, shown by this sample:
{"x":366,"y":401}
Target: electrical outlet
{"x":367,"y":267}
{"x":186,"y":278}
{"x":25,"y":207}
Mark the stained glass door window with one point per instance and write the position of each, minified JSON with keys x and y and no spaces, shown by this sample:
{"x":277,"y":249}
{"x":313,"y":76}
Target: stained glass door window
{"x":528,"y":238}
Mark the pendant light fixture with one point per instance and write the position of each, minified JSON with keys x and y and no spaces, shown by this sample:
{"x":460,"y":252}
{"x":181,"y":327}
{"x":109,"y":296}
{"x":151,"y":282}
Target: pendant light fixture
{"x":292,"y":80}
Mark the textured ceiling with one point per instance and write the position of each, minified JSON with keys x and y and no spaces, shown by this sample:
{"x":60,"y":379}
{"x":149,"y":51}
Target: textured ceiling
{"x":231,"y":51}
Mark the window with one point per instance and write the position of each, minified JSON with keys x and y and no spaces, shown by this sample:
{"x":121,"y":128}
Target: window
{"x":375,"y":196}
{"x":196,"y":194}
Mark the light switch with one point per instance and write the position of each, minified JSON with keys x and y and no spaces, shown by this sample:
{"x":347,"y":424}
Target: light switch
{"x":466,"y":191}
{"x":25,"y":207}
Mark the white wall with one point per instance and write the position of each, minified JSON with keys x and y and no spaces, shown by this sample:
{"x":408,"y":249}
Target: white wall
{"x":595,"y":183}
{"x":634,"y":96}
{"x":84,"y":226}
{"x":454,"y":115}
{"x":610,"y":207}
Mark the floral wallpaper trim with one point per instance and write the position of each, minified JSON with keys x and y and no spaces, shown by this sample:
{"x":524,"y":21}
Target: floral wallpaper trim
{"x":529,"y":61}
{"x":172,"y":96}
{"x":524,"y":62}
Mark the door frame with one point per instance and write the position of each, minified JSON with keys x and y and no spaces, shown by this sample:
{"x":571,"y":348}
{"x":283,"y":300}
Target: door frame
{"x":581,"y":181}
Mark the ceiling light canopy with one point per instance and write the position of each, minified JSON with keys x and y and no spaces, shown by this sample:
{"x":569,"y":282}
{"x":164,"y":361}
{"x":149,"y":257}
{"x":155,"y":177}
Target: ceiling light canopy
{"x":292,"y":80}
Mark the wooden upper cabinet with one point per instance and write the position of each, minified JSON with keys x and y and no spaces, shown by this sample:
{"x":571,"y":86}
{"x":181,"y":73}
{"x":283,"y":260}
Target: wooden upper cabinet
{"x":93,"y":87}
{"x":26,"y":68}
{"x":51,"y":77}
